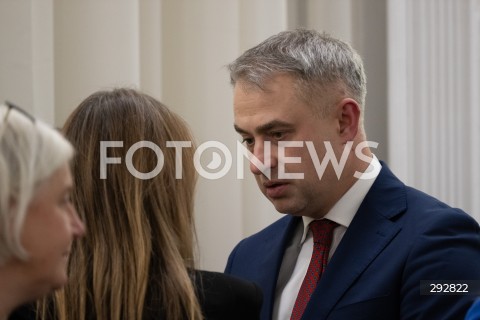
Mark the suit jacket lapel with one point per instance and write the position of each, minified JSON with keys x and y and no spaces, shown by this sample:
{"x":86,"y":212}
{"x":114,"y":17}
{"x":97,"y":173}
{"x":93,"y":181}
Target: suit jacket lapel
{"x":272,"y":261}
{"x":368,"y":234}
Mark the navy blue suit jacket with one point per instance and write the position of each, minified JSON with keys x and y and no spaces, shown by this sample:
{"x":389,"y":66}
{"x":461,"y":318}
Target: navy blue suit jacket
{"x":399,"y":237}
{"x":474,"y":312}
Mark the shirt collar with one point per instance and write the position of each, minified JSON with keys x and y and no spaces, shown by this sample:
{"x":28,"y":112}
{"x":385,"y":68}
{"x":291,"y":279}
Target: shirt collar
{"x":345,"y":209}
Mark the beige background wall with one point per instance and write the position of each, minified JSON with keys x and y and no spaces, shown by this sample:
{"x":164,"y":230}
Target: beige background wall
{"x":53,"y":53}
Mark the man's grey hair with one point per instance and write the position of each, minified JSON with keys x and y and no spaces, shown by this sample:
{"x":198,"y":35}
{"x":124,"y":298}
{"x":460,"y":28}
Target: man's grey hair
{"x":316,"y":60}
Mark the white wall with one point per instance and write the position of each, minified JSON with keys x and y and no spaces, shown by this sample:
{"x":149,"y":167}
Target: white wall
{"x":96,"y":47}
{"x":26,"y":55}
{"x":434,"y":85}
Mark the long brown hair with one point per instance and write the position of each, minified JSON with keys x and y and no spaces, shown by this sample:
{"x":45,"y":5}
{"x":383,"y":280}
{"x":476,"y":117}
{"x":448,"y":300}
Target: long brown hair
{"x":136,"y":257}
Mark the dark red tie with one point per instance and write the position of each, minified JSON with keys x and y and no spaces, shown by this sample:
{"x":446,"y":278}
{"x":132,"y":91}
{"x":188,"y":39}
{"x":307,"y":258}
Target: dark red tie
{"x":322,"y":231}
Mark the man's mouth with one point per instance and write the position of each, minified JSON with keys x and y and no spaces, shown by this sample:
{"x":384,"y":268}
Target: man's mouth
{"x":275,"y":188}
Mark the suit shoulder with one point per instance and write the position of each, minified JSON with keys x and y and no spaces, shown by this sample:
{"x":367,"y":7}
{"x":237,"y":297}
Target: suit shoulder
{"x":426,"y":208}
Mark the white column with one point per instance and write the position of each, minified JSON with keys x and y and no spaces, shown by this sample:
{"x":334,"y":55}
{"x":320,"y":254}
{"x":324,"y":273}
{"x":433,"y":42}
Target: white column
{"x":96,"y":47}
{"x":474,"y":126}
{"x":397,"y":88}
{"x":151,"y":47}
{"x":433,"y":97}
{"x":26,"y":51}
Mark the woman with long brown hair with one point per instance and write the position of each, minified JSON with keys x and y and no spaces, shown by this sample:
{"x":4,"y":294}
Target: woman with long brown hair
{"x":137,"y":260}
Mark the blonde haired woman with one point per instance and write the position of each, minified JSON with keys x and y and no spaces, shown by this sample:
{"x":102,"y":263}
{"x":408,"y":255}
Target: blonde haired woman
{"x":37,"y":220}
{"x":138,"y":259}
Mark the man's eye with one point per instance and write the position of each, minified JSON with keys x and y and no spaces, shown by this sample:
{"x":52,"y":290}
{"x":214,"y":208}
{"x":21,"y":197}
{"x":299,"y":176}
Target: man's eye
{"x":277,"y":135}
{"x":247,"y":141}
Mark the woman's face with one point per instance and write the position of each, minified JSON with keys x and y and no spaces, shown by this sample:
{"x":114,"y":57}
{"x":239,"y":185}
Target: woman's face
{"x":51,"y":224}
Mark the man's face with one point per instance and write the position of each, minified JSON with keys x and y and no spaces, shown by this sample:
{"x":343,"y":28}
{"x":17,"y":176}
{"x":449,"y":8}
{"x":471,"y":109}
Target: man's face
{"x":277,"y":115}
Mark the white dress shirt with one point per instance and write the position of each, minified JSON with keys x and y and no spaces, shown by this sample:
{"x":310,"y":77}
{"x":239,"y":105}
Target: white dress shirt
{"x":298,"y":254}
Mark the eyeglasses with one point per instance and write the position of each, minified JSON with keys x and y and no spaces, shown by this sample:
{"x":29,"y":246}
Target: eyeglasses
{"x":11,"y":106}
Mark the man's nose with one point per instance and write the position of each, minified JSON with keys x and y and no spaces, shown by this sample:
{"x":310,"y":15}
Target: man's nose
{"x":263,"y":159}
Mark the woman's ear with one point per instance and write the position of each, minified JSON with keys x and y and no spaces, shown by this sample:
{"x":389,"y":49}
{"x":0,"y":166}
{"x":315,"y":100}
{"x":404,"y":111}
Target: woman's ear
{"x":348,"y":113}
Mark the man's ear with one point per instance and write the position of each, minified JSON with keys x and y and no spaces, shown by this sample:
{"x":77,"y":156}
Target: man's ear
{"x":348,"y":114}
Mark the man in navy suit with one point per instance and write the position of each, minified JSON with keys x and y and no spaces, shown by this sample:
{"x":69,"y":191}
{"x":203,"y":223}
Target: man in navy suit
{"x":299,"y":101}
